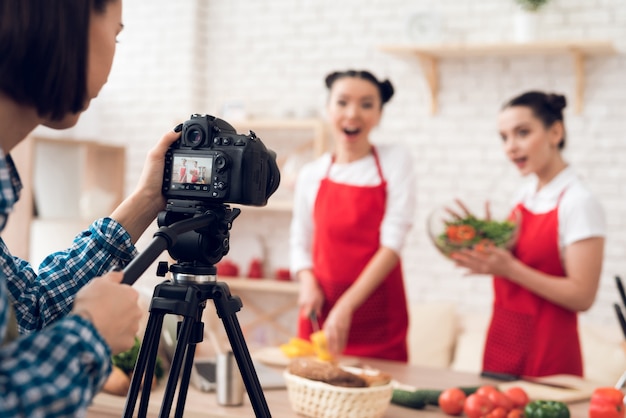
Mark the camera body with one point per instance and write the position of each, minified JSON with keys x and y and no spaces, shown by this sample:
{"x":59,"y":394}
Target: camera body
{"x":211,"y":163}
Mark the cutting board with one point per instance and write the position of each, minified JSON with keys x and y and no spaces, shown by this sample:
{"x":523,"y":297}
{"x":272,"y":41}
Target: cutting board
{"x":581,"y":389}
{"x":273,"y":356}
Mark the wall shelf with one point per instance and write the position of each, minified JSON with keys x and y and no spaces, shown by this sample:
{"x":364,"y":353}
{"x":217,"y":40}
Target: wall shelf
{"x":429,"y":56}
{"x":303,"y":139}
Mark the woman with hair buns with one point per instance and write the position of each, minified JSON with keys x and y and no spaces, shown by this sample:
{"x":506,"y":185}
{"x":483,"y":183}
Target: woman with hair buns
{"x":554,"y":270}
{"x":353,"y":210}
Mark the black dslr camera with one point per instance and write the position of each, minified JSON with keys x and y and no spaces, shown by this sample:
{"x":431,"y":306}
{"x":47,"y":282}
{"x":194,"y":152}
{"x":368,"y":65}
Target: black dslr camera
{"x":211,"y":163}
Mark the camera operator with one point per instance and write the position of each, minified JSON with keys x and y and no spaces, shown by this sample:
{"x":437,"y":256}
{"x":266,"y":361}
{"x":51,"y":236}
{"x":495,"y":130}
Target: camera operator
{"x":73,"y":315}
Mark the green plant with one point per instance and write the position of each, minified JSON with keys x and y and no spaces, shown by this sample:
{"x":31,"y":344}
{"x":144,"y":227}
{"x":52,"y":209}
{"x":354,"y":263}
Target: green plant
{"x":531,"y":5}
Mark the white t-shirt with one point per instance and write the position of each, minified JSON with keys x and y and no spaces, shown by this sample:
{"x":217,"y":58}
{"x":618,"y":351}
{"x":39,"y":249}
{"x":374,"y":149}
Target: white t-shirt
{"x":580,"y":214}
{"x":397,"y":167}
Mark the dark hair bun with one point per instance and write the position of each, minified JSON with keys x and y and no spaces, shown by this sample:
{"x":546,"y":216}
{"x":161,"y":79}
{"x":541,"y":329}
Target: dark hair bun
{"x":386,"y":90}
{"x":331,"y":78}
{"x":557,"y":101}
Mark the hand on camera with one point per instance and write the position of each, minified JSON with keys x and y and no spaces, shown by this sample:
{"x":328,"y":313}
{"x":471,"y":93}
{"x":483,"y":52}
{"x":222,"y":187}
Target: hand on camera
{"x":151,"y":179}
{"x":113,"y":309}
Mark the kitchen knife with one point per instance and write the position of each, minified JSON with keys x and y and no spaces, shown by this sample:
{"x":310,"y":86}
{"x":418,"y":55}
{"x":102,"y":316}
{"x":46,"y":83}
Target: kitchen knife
{"x":315,"y":323}
{"x":620,"y":288}
{"x":620,"y":317}
{"x":536,"y":380}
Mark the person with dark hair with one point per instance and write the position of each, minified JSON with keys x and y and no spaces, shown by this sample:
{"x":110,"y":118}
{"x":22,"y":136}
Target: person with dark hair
{"x":60,"y":325}
{"x":353,"y":209}
{"x":554,"y":269}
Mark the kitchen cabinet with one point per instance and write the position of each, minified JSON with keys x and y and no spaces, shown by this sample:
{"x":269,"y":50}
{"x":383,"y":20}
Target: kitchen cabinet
{"x":429,"y":56}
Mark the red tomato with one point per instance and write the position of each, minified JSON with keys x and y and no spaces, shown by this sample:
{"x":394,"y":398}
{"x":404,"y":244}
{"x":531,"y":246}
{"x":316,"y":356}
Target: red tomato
{"x":608,"y":394}
{"x":518,"y":396}
{"x":515,"y":413}
{"x":451,"y":401}
{"x":499,"y":399}
{"x":477,"y":406}
{"x":497,"y":412}
{"x":485,"y":390}
{"x":606,"y":402}
{"x":605,"y":410}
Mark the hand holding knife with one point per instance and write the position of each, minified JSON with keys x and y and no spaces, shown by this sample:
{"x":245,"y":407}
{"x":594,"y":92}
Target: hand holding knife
{"x":315,"y":323}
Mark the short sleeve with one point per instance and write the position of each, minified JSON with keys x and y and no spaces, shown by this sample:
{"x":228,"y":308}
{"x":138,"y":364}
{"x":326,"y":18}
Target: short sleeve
{"x":581,"y":216}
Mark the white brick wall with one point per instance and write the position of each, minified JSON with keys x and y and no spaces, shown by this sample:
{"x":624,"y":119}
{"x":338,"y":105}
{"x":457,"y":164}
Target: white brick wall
{"x":180,"y":57}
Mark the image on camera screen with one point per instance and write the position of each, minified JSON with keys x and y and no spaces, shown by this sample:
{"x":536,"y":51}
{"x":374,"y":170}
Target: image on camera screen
{"x":190,"y":169}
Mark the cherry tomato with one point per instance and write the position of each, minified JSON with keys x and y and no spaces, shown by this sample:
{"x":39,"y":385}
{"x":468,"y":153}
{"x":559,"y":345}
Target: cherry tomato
{"x":518,"y":396}
{"x":485,"y":390}
{"x":451,"y":401}
{"x":465,"y":232}
{"x":484,"y":245}
{"x":499,"y":399}
{"x":497,"y":412}
{"x":515,"y":413}
{"x":477,"y":406}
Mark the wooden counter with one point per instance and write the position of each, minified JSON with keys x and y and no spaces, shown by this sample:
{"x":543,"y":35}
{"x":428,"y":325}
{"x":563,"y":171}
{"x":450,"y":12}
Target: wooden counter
{"x":203,"y":405}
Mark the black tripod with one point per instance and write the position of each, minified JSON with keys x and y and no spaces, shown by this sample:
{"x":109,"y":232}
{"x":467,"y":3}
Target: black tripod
{"x":186,"y":295}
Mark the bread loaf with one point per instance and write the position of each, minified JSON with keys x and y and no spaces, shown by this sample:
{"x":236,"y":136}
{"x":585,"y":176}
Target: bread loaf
{"x":327,"y":372}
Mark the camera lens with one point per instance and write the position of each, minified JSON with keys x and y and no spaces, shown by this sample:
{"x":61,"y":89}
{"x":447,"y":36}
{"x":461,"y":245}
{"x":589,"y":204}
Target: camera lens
{"x":194,"y":137}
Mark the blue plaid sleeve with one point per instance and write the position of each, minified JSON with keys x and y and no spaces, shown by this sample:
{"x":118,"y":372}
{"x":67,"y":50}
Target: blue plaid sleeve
{"x":60,"y":362}
{"x":54,"y":372}
{"x":44,"y":297}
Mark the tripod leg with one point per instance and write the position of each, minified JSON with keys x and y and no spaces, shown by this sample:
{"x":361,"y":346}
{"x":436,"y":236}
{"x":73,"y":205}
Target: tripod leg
{"x":148,"y":373}
{"x":184,"y":381}
{"x":148,"y":349}
{"x":181,"y":349}
{"x":227,"y":307}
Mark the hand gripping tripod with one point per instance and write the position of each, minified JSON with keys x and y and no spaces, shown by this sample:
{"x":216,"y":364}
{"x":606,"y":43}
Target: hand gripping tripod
{"x":194,"y":282}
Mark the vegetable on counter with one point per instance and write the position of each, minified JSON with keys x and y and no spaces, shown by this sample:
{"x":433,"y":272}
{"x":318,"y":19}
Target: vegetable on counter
{"x":546,"y":409}
{"x":606,"y":402}
{"x":420,"y":398}
{"x":118,"y":382}
{"x":484,"y":401}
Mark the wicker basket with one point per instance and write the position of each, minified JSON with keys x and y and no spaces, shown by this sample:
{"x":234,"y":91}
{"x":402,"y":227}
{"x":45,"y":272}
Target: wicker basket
{"x":321,"y":400}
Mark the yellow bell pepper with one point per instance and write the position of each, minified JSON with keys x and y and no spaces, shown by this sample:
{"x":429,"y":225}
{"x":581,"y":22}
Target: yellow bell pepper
{"x":320,"y":345}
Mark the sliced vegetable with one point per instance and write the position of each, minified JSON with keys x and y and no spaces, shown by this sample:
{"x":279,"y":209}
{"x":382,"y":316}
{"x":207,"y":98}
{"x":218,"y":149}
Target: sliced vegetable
{"x":320,"y":346}
{"x":297,"y":347}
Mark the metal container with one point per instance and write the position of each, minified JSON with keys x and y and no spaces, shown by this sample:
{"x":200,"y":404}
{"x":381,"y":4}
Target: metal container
{"x":229,"y":382}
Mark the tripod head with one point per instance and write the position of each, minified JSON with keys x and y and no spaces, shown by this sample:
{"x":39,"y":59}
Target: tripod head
{"x":207,"y":244}
{"x":195,"y":234}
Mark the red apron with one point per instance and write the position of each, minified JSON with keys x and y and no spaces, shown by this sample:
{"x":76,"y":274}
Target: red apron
{"x":347,"y":223}
{"x":528,"y":334}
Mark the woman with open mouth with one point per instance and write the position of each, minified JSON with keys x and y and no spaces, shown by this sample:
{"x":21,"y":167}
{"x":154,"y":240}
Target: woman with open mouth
{"x":353,"y":210}
{"x":554,"y":269}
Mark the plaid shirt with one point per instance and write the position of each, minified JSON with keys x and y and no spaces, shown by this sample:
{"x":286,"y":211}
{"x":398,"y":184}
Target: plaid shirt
{"x":59,"y":362}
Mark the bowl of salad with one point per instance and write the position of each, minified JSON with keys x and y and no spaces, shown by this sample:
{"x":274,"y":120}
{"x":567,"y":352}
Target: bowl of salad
{"x":453,"y":228}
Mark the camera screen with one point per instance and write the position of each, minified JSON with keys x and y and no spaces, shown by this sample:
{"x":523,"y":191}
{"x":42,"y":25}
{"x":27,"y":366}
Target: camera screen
{"x":191,"y":169}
